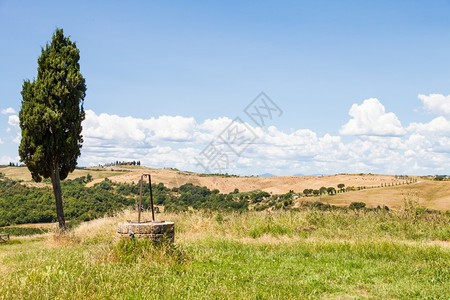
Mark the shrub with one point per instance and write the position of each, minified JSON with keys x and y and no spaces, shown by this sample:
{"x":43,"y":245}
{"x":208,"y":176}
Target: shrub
{"x":357,"y":205}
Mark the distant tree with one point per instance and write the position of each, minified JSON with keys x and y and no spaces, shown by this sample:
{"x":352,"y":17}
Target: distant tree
{"x":316,"y":192}
{"x":357,"y":205}
{"x":307,"y":192}
{"x":89,"y":177}
{"x":51,"y":116}
{"x":323,"y":190}
{"x":331,"y":190}
{"x":341,"y":186}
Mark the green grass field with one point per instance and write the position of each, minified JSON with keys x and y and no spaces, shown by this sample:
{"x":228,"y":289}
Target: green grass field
{"x":254,"y":255}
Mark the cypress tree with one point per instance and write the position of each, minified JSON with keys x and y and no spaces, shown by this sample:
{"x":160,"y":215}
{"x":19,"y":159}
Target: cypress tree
{"x":51,"y":116}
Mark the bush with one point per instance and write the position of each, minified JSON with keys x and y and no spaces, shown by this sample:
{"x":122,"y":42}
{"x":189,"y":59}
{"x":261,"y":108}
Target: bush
{"x":357,"y":205}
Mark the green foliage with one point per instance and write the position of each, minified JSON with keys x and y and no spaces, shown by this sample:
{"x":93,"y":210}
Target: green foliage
{"x":197,"y":197}
{"x":323,"y":190}
{"x":185,"y":196}
{"x":219,"y":218}
{"x":21,"y":231}
{"x":269,"y":226}
{"x":136,"y":250}
{"x":52,"y":111}
{"x":51,"y":114}
{"x":20,"y":204}
{"x":331,"y":190}
{"x":318,"y":205}
{"x":307,"y":192}
{"x":439,"y":178}
{"x":357,"y":205}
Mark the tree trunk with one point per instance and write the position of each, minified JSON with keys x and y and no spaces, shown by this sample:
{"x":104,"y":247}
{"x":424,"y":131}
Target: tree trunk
{"x":56,"y":182}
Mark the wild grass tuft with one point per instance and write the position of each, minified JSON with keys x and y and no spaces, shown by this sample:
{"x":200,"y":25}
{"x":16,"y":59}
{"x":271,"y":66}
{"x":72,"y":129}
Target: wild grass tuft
{"x":145,"y":251}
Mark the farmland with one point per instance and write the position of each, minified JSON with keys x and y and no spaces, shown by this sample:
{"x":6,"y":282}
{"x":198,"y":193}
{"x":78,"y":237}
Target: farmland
{"x":428,"y":193}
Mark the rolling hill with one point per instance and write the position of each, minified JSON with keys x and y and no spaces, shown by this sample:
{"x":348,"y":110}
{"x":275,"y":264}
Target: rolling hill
{"x":429,"y":194}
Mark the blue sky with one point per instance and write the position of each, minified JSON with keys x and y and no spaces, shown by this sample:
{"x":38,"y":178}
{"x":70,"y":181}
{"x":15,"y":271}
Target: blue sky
{"x":169,"y":77}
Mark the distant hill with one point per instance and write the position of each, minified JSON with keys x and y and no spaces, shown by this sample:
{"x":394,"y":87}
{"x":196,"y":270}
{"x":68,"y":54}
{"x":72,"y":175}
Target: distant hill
{"x":267,"y":175}
{"x":430,"y":194}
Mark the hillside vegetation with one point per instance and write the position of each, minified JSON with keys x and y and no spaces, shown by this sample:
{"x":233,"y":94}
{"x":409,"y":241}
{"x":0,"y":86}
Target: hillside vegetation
{"x":429,"y":194}
{"x":24,"y":204}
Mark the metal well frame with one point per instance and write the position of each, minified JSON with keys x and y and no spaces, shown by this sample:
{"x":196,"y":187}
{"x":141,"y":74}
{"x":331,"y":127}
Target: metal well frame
{"x":151,"y":198}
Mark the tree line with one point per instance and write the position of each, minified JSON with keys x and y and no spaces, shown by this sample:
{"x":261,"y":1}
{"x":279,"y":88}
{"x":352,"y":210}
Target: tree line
{"x":24,"y":204}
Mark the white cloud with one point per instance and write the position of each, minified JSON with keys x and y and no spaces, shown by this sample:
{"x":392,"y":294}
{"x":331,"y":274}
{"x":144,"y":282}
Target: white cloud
{"x":439,"y":126}
{"x":13,"y":120}
{"x":169,"y":141}
{"x":130,"y":131}
{"x":17,"y":139}
{"x":437,"y":104}
{"x":380,"y":144}
{"x":370,"y":118}
{"x":8,"y":111}
{"x":178,"y":141}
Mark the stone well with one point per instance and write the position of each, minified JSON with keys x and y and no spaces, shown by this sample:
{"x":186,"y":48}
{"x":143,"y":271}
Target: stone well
{"x":157,"y":231}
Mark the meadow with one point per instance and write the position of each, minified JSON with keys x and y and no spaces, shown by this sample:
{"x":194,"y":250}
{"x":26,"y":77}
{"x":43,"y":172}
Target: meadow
{"x":293,"y":254}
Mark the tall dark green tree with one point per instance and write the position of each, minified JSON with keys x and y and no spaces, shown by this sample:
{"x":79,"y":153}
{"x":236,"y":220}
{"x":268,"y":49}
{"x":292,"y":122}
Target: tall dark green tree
{"x":51,"y":116}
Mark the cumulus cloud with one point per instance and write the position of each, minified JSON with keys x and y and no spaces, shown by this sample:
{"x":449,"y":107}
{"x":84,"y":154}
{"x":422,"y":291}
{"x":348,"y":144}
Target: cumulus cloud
{"x":370,"y":118}
{"x":8,"y":111}
{"x":13,"y":121}
{"x":162,"y":141}
{"x":380,"y":144}
{"x":437,"y":104}
{"x":437,"y":126}
{"x":179,"y":142}
{"x":129,"y":130}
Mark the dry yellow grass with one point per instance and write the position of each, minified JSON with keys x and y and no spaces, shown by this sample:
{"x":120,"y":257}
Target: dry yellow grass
{"x":22,"y":173}
{"x":429,"y":194}
{"x":53,"y":225}
{"x":235,"y":226}
{"x":276,"y":185}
